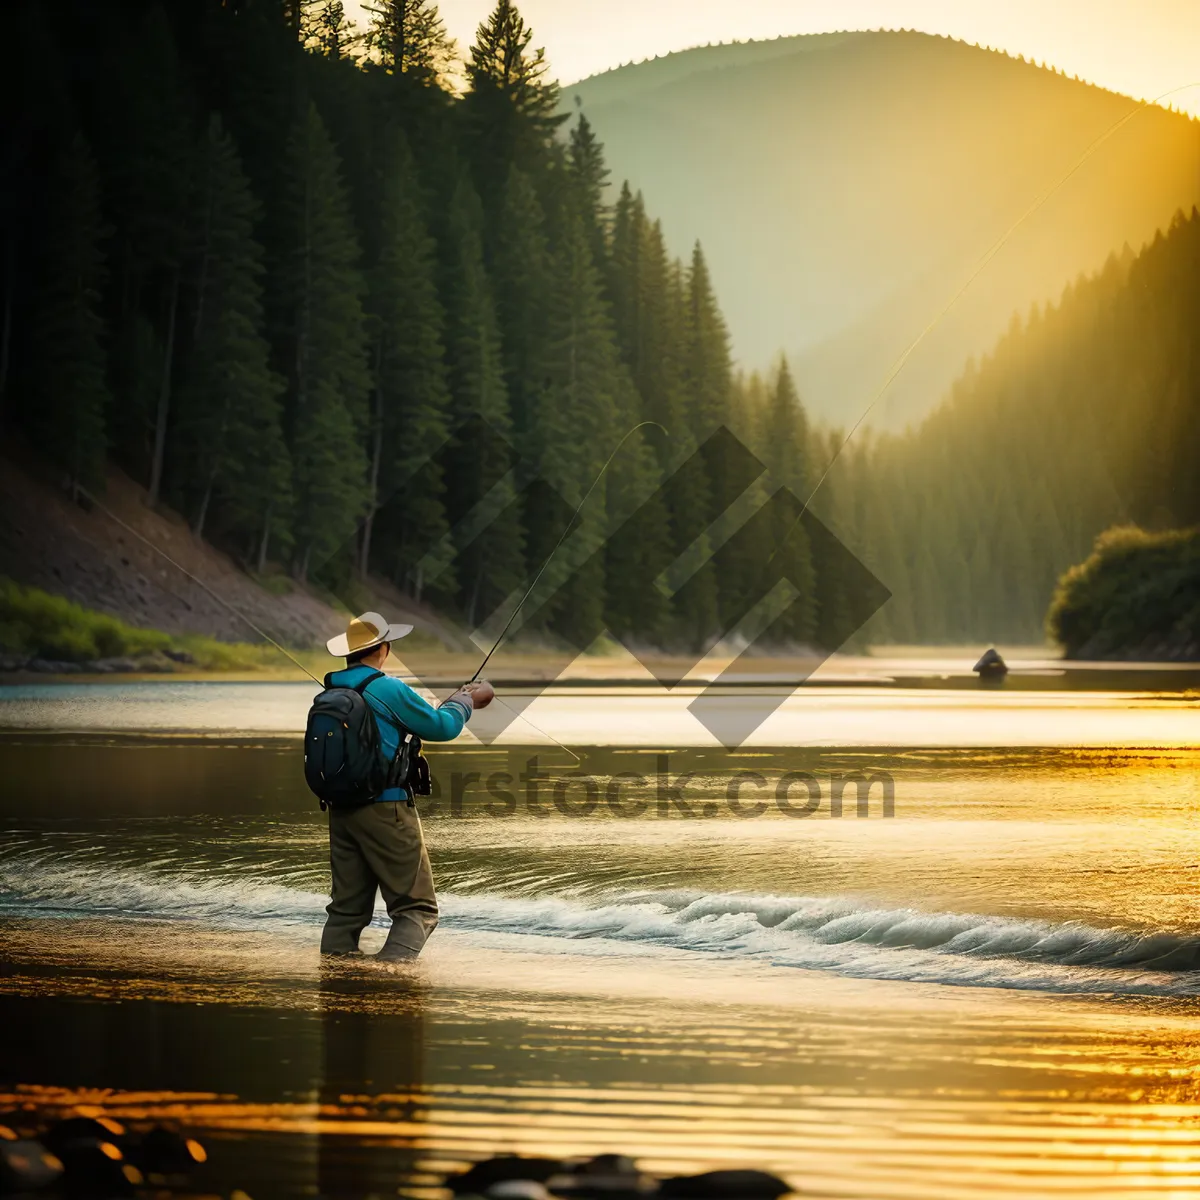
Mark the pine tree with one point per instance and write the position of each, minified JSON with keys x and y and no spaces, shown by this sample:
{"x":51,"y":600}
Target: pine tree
{"x":588,"y":176}
{"x":66,"y":388}
{"x":707,"y":386}
{"x":636,"y":612}
{"x":707,"y":370}
{"x":657,"y":359}
{"x":523,"y":281}
{"x":741,"y":582}
{"x":411,"y":402}
{"x":624,"y":274}
{"x":408,"y":38}
{"x":492,"y":565}
{"x":785,"y":454}
{"x":511,"y":108}
{"x":150,"y":181}
{"x":468,"y":279}
{"x":325,"y":29}
{"x":658,"y":297}
{"x":649,"y":296}
{"x":320,"y":290}
{"x":1105,"y":381}
{"x":635,"y":609}
{"x":838,"y":601}
{"x":228,"y":440}
{"x":579,"y":417}
{"x":785,"y":446}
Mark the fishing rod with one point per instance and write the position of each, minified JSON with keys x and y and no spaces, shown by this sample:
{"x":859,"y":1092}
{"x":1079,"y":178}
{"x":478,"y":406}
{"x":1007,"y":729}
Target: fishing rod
{"x":566,"y":530}
{"x":991,"y":253}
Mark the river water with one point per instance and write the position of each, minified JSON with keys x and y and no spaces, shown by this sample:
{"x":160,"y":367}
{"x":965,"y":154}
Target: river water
{"x":901,"y":943}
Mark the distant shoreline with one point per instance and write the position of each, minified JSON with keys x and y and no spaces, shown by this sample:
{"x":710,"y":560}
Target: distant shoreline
{"x":535,"y":674}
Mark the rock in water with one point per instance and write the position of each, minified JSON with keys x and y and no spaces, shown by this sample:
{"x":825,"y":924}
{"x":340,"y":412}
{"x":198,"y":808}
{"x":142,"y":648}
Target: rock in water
{"x":502,"y":1169}
{"x":517,"y":1189}
{"x":65,"y":1133}
{"x":991,"y":665}
{"x":604,"y":1177}
{"x":97,"y":1168}
{"x":609,"y":1164}
{"x":165,"y":1154}
{"x":725,"y":1185}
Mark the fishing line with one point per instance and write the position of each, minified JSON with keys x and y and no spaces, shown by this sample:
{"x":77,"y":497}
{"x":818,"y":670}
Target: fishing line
{"x":992,"y":251}
{"x":198,"y":582}
{"x":538,"y":729}
{"x":566,"y":530}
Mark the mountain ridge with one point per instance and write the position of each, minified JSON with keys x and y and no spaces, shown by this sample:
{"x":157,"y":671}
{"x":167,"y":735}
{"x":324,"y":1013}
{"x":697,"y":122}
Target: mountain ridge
{"x":834,"y":177}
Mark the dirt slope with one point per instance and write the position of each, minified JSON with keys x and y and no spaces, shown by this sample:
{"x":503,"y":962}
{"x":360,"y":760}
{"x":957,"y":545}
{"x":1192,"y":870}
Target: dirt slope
{"x":49,"y":541}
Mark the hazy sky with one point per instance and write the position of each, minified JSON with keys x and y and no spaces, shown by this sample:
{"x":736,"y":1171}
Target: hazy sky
{"x":1140,"y":47}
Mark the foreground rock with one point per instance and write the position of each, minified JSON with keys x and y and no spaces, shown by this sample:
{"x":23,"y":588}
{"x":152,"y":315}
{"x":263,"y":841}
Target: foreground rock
{"x":605,"y":1177}
{"x":98,"y":1157}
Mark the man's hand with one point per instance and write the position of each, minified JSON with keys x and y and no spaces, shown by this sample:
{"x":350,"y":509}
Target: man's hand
{"x":482,"y":692}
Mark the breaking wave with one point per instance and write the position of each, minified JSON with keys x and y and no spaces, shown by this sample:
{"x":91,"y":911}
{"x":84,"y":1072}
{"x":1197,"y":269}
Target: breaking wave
{"x":838,"y":934}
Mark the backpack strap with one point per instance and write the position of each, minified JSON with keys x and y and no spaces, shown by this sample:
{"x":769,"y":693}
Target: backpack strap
{"x":360,"y":688}
{"x":407,"y":739}
{"x":400,"y":726}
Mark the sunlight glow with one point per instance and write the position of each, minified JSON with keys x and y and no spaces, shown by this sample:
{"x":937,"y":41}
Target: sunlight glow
{"x":1141,"y":49}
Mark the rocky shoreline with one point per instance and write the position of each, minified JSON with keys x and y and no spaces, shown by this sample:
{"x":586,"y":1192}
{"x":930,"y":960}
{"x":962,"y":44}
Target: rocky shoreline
{"x":162,"y":662}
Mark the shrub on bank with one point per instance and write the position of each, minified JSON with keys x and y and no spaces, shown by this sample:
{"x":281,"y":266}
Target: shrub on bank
{"x":1137,"y":596}
{"x":37,"y":625}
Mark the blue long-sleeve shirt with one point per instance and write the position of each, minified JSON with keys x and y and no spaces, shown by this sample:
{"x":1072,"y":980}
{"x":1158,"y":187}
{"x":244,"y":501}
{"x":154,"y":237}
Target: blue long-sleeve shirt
{"x":393,"y":700}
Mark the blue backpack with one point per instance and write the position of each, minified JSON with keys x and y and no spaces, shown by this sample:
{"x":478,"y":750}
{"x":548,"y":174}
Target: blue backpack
{"x":344,"y":764}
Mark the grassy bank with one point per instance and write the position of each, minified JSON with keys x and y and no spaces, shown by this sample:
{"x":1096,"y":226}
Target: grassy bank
{"x":34,"y":625}
{"x":1137,"y":596}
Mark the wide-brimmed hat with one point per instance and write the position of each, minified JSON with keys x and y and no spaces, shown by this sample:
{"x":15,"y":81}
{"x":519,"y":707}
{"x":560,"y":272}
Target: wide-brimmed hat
{"x":364,"y":632}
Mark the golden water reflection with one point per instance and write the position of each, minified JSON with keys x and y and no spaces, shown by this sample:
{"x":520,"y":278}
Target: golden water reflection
{"x":351,"y":1081}
{"x":157,"y":961}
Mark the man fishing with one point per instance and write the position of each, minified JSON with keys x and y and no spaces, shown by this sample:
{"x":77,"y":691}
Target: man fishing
{"x":369,"y":753}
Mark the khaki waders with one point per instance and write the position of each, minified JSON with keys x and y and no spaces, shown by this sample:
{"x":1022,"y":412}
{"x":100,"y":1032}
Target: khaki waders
{"x":379,"y":847}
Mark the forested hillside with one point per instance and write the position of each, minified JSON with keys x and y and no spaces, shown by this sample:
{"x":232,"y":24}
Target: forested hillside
{"x":1086,"y":415}
{"x":327,"y":309}
{"x":845,"y":186}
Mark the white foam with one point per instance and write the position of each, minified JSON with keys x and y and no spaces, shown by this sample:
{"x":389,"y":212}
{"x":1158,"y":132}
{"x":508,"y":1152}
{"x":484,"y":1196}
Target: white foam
{"x":838,"y":934}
